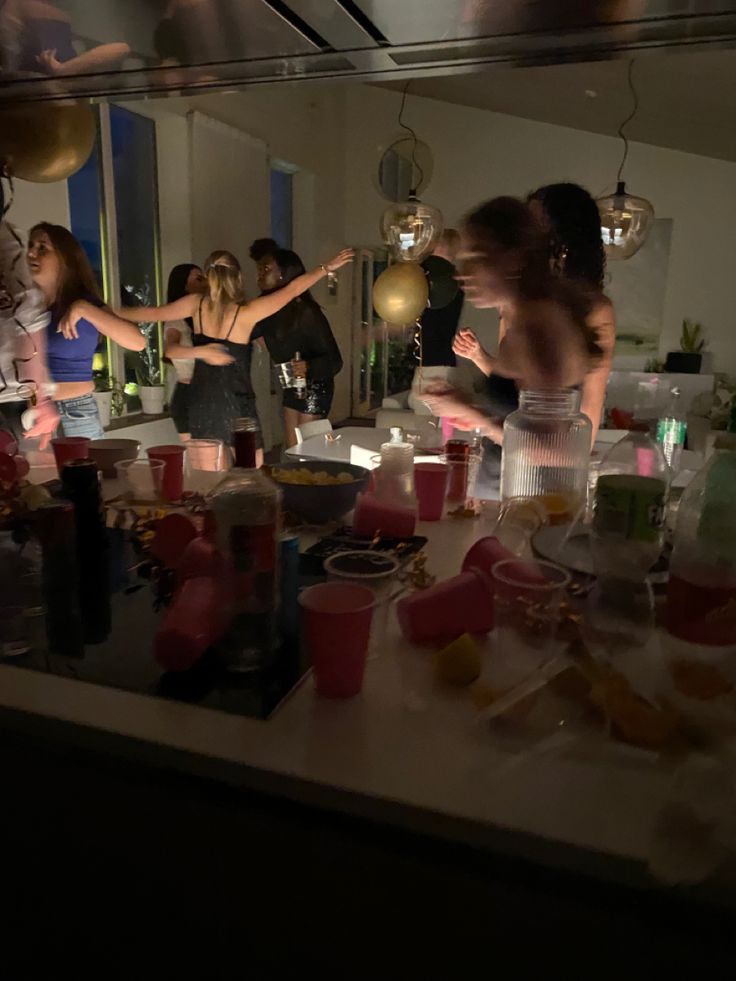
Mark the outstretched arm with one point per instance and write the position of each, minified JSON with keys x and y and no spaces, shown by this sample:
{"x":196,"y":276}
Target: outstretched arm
{"x":265,"y":306}
{"x":125,"y":334}
{"x":178,"y":310}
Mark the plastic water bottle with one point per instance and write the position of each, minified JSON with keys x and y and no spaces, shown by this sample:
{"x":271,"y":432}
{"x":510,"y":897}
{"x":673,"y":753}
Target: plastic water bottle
{"x":671,"y":430}
{"x":627,"y":537}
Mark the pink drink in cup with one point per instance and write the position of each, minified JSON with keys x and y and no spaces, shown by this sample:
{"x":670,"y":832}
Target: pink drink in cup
{"x":463,"y":604}
{"x":68,"y":448}
{"x":430,"y":485}
{"x":173,"y":460}
{"x":337,"y":624}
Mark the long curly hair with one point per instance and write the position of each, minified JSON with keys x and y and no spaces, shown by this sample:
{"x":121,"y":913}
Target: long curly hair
{"x":506,"y":224}
{"x":574,"y":224}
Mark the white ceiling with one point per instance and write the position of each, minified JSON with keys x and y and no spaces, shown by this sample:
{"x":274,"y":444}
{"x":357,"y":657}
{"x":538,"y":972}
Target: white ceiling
{"x":687,"y":100}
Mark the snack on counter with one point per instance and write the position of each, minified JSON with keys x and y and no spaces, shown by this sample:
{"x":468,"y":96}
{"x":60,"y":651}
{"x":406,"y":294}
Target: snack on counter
{"x":318,"y":478}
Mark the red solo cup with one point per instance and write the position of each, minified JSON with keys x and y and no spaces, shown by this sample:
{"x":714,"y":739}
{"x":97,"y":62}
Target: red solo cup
{"x":375,"y":516}
{"x":8,"y":469}
{"x":68,"y":448}
{"x":22,"y":466}
{"x":172,"y":457}
{"x":197,"y":618}
{"x":430,"y":484}
{"x":442,"y":613}
{"x":171,"y":537}
{"x":8,"y":443}
{"x":337,"y":624}
{"x":488,"y":551}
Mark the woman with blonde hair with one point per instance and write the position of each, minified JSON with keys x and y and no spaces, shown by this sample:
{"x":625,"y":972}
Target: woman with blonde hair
{"x":221,"y":389}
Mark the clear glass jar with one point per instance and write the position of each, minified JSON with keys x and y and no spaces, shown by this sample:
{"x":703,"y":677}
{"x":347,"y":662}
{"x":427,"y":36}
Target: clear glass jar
{"x":546,"y":449}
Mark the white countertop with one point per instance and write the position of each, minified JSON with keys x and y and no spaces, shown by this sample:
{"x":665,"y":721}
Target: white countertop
{"x":401,"y":751}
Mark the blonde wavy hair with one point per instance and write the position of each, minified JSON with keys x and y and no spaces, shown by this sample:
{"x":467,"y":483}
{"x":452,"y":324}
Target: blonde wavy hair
{"x":225,"y":281}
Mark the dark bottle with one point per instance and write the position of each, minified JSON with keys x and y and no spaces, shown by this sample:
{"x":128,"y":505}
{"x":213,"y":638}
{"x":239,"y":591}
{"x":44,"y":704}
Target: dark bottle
{"x":82,"y":487}
{"x":55,"y":526}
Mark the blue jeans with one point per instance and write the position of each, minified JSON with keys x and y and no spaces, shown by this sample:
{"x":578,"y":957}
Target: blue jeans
{"x":80,"y":417}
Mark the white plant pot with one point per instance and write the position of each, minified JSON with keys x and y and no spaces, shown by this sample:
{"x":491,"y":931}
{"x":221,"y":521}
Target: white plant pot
{"x":104,"y":407}
{"x":152,"y":399}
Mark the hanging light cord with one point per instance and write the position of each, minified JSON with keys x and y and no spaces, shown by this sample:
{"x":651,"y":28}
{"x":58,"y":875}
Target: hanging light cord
{"x":414,"y":162}
{"x":625,"y":123}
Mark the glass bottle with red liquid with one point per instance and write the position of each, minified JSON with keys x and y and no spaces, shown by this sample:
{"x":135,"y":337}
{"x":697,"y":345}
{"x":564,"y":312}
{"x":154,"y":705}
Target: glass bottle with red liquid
{"x":246,"y":512}
{"x":701,"y":596}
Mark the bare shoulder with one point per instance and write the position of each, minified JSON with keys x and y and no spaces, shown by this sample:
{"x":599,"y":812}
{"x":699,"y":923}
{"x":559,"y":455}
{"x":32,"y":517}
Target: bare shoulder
{"x":602,"y":311}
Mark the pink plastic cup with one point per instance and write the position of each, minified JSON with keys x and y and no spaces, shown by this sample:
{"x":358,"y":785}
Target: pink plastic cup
{"x":430,"y":484}
{"x":488,"y":551}
{"x":68,"y":448}
{"x":337,"y":624}
{"x":173,"y":459}
{"x":440,"y":614}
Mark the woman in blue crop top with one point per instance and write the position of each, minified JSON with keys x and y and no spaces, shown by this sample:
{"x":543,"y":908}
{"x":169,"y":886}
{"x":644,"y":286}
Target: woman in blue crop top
{"x":61,"y":270}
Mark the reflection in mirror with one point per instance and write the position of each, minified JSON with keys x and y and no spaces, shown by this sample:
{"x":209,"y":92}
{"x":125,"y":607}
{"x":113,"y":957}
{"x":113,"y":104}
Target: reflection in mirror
{"x":400,"y":170}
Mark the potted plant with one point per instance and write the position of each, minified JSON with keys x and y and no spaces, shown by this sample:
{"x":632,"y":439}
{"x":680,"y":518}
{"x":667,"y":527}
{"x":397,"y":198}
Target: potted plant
{"x":689,"y":359}
{"x":150,"y":389}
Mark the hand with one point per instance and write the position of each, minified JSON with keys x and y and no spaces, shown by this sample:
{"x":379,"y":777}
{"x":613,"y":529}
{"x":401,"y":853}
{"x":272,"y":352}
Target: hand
{"x":445,"y":401}
{"x":215,"y":354}
{"x":48,"y":61}
{"x":341,"y":259}
{"x":300,"y":368}
{"x":45,"y":423}
{"x":466,"y":344}
{"x":68,"y":323}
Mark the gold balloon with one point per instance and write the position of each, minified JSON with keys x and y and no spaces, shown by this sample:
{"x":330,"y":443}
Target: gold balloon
{"x":46,"y":142}
{"x":400,"y":293}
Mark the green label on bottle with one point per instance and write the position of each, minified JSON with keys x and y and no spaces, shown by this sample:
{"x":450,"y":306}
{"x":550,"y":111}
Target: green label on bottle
{"x":630,"y":507}
{"x":671,"y":432}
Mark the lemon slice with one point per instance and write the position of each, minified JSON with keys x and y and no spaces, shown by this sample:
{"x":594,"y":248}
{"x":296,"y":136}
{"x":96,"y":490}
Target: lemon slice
{"x":459,"y":663}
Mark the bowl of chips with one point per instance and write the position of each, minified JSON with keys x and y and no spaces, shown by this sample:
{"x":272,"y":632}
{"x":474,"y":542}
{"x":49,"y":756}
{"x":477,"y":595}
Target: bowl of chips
{"x":318,"y":491}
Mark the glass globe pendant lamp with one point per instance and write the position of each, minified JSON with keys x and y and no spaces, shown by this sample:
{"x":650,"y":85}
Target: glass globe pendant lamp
{"x":411,"y":229}
{"x":626,"y":220}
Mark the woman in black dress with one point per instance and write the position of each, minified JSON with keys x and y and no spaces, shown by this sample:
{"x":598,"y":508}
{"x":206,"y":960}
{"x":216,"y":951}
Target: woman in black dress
{"x":300,"y":327}
{"x":221,"y":389}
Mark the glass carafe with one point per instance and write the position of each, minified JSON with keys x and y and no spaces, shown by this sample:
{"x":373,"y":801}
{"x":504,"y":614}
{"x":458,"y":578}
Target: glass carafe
{"x":546,"y":449}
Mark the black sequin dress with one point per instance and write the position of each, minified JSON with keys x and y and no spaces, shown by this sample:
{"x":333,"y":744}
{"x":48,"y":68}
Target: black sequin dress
{"x":219,"y":394}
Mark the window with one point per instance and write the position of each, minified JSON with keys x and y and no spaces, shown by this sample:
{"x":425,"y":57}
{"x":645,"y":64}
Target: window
{"x":114,"y":213}
{"x":133,"y":149}
{"x":282,"y":207}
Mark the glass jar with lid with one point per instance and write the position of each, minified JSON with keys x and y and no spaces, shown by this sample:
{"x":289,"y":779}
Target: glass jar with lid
{"x":546,"y":450}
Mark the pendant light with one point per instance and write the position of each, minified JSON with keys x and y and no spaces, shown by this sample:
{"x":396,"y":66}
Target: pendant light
{"x":626,"y":220}
{"x":410,"y":228}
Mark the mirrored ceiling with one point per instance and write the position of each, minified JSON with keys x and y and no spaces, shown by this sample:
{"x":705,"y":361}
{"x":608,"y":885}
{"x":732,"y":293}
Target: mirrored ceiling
{"x":50,"y":49}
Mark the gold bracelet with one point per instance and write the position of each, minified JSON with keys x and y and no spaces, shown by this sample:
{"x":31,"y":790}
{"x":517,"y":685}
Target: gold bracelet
{"x":324,"y":269}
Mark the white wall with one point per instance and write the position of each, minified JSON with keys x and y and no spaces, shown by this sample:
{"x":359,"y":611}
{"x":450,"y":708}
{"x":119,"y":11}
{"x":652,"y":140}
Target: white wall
{"x":39,"y":202}
{"x":480,"y":154}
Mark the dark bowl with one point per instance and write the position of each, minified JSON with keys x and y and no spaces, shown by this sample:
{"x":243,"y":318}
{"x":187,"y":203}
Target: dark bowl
{"x":319,"y":503}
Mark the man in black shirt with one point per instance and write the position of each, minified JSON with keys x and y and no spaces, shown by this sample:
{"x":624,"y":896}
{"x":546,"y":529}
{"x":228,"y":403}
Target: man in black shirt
{"x":437,"y":331}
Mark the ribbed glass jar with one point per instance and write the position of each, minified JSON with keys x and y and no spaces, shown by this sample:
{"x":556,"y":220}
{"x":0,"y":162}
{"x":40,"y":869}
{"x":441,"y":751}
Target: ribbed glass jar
{"x":546,"y":449}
